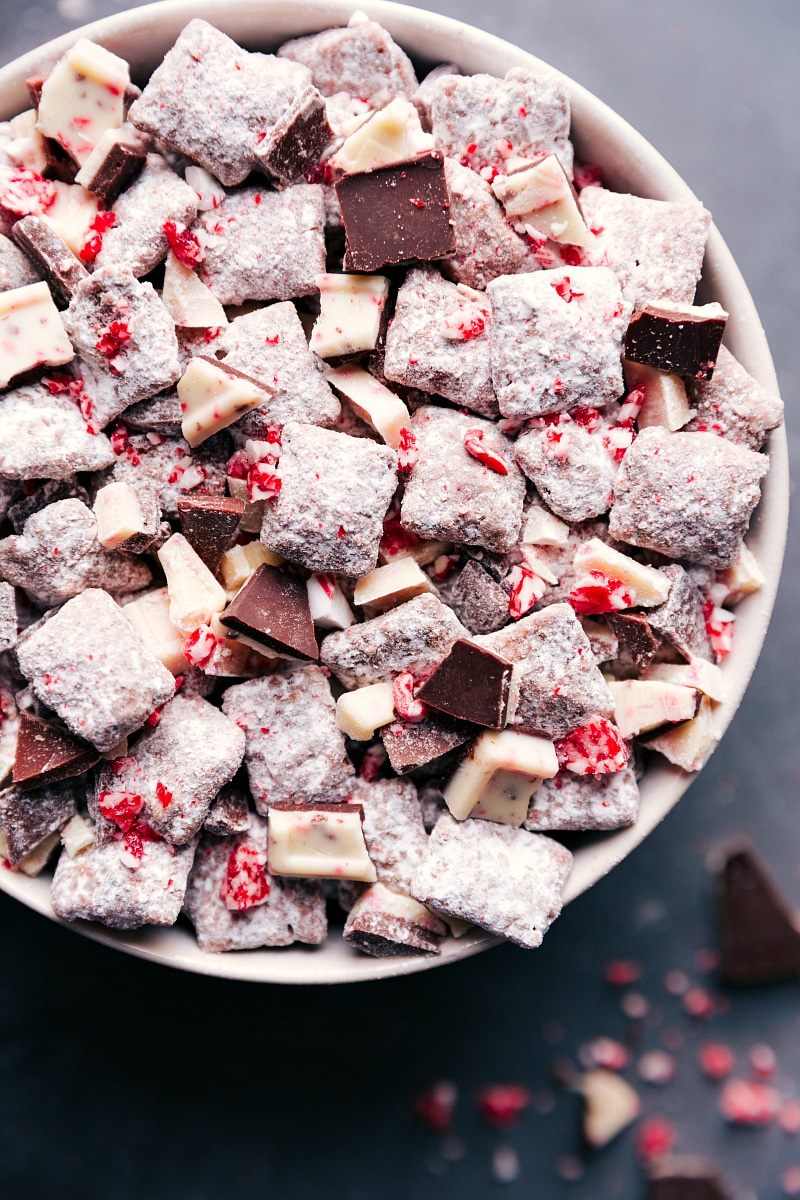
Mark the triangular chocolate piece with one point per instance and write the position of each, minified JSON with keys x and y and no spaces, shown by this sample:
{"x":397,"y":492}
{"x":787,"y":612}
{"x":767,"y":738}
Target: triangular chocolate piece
{"x":209,"y":523}
{"x":760,"y":940}
{"x":634,"y":632}
{"x":413,"y":744}
{"x":471,"y":684}
{"x":46,"y":753}
{"x":686,"y":1178}
{"x":272,"y":610}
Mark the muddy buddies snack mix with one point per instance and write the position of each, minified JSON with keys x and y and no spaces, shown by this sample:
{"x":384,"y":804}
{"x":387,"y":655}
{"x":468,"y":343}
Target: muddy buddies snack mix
{"x":372,"y":495}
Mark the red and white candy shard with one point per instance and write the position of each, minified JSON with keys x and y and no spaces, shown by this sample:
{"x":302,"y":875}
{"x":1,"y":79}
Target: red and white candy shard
{"x":200,"y":646}
{"x":327,"y":603}
{"x":406,"y":704}
{"x":596,"y":748}
{"x":474,"y":445}
{"x":245,"y":883}
{"x":719,"y":627}
{"x":120,"y":807}
{"x":526,"y":589}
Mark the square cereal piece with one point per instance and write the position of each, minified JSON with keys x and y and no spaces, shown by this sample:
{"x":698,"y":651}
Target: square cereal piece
{"x":450,"y":495}
{"x":45,"y":436}
{"x":733,"y":405}
{"x":470,"y":114}
{"x":654,"y":247}
{"x":572,"y":802}
{"x":178,"y":765}
{"x":680,"y":620}
{"x":137,"y":241}
{"x":361,"y":59}
{"x":393,"y":829}
{"x":572,"y":467}
{"x":28,"y":816}
{"x":230,"y":111}
{"x":414,"y":637}
{"x":88,"y":664}
{"x":557,"y":340}
{"x":439,"y":341}
{"x":125,"y":338}
{"x":560,"y":684}
{"x":96,"y":885}
{"x":479,"y":601}
{"x":295,"y":750}
{"x":706,"y":488}
{"x":270,"y":346}
{"x":263,"y":245}
{"x":486,"y":245}
{"x":16,"y":269}
{"x":294,"y":910}
{"x":8,"y":619}
{"x":171,"y":470}
{"x":505,"y":880}
{"x":335,"y":490}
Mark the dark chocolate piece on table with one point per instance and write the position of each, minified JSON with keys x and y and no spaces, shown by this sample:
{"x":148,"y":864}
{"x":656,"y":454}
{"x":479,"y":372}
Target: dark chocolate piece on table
{"x":27,"y":817}
{"x":50,"y":492}
{"x":272,"y":609}
{"x":686,"y":1177}
{"x":411,"y":745}
{"x":229,"y":813}
{"x":58,"y":265}
{"x":683,"y":339}
{"x":760,"y":935}
{"x":209,"y":524}
{"x":47,"y":754}
{"x":396,"y":214}
{"x":472,"y":684}
{"x":634,"y":633}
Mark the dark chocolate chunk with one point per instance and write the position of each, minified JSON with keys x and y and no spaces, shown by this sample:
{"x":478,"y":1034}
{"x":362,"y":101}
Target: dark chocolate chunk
{"x":209,"y":523}
{"x":680,"y":619}
{"x":687,"y":1177}
{"x":760,"y":933}
{"x":160,"y":414}
{"x":411,"y":745}
{"x":34,"y":84}
{"x":301,"y":145}
{"x":272,"y":610}
{"x":118,"y":169}
{"x":479,"y":601}
{"x":472,"y":684}
{"x":634,"y":633}
{"x":383,"y":935}
{"x":396,"y":214}
{"x":47,"y":754}
{"x":229,"y":814}
{"x":27,"y":817}
{"x":683,"y":339}
{"x":58,"y":265}
{"x":49,"y":493}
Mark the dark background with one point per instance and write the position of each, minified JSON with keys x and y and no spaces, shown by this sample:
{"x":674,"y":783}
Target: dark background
{"x":124,"y":1080}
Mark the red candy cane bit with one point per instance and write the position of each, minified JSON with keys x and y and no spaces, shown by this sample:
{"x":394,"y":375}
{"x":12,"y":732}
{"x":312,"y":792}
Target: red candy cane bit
{"x":473,"y":444}
{"x":719,"y":627}
{"x":407,"y":706}
{"x":238,"y":465}
{"x":601,"y":596}
{"x":61,"y":383}
{"x":163,"y":794}
{"x":131,"y":851}
{"x":655,"y":1139}
{"x":120,"y":807}
{"x":715,"y":1060}
{"x":103,"y":221}
{"x":91,"y":248}
{"x":586,"y":175}
{"x":112,"y":341}
{"x":245,"y":883}
{"x":184,"y":244}
{"x":200,"y":646}
{"x":596,"y":748}
{"x":743,"y":1102}
{"x":407,"y":451}
{"x":565,"y":289}
{"x":502,"y":1104}
{"x":436,"y":1106}
{"x":618,"y":441}
{"x":526,"y":589}
{"x":25,"y":193}
{"x":262,"y":484}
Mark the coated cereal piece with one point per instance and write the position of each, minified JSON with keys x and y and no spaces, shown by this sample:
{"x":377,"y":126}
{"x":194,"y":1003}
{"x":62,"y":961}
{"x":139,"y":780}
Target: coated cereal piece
{"x":170,"y":470}
{"x":50,"y":491}
{"x":8,"y":620}
{"x":479,"y":601}
{"x":470,"y":114}
{"x":680,"y":619}
{"x":570,"y":801}
{"x":295,"y":750}
{"x":45,"y":436}
{"x":557,"y":340}
{"x":89,"y":665}
{"x":733,"y":405}
{"x":97,"y":886}
{"x":420,"y":354}
{"x":486,"y":245}
{"x":229,"y":813}
{"x":263,"y":245}
{"x":16,"y":269}
{"x":270,"y":346}
{"x":414,"y":637}
{"x":28,"y":816}
{"x":393,"y":829}
{"x":572,"y":469}
{"x":361,"y":59}
{"x":293,"y":912}
{"x":178,"y":766}
{"x":451,"y":496}
{"x":137,"y":242}
{"x":57,"y":555}
{"x":560,"y":684}
{"x":707,"y":488}
{"x":230,"y":111}
{"x":505,"y":880}
{"x":335,"y":490}
{"x":655,"y":247}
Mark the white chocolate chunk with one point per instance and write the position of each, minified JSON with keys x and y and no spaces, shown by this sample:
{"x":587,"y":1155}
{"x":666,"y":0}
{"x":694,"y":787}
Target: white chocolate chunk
{"x":118,"y":514}
{"x":742,"y":579}
{"x":665,"y":401}
{"x":689,"y":745}
{"x":351,"y":308}
{"x":150,"y":616}
{"x":212,"y":399}
{"x":327,"y":602}
{"x":82,"y":97}
{"x":503,"y":750}
{"x":392,"y":135}
{"x":71,"y":215}
{"x":26,"y":147}
{"x":35,"y":862}
{"x":194,"y":594}
{"x":253,"y":515}
{"x":538,"y":565}
{"x":240,"y":562}
{"x":31,"y":331}
{"x":642,"y":704}
{"x":542,"y":197}
{"x":505,"y":798}
{"x":541,"y":528}
{"x":643,"y":586}
{"x":699,"y":673}
{"x":372,"y":401}
{"x":455,"y":924}
{"x":324,"y":843}
{"x":210,"y":192}
{"x":187,"y":299}
{"x":388,"y":586}
{"x":611,"y":1105}
{"x":77,"y":835}
{"x":360,"y":713}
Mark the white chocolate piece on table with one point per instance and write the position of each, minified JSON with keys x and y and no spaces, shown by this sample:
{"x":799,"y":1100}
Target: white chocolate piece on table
{"x":381,"y":408}
{"x":351,"y":310}
{"x":689,"y":745}
{"x":541,"y":196}
{"x":643,"y":704}
{"x":541,"y":528}
{"x":253,"y":515}
{"x":360,"y":713}
{"x":118,"y":514}
{"x":742,"y":579}
{"x":393,"y":135}
{"x":699,"y":673}
{"x":212,"y":399}
{"x":647,"y":586}
{"x":503,"y":750}
{"x":326,"y":842}
{"x":150,"y":616}
{"x":240,"y":562}
{"x":665,"y":401}
{"x":188,"y":301}
{"x":388,"y":586}
{"x":82,"y":97}
{"x":31,"y":332}
{"x":71,"y":214}
{"x":327,"y":602}
{"x":77,"y":835}
{"x":505,"y":798}
{"x":611,"y":1105}
{"x":194,"y":594}
{"x":35,"y":862}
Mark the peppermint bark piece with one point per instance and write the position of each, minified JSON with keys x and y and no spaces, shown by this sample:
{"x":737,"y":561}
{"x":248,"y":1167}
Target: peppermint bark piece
{"x":137,"y":242}
{"x":571,"y":802}
{"x":573,"y":471}
{"x":733,"y":405}
{"x":361,"y":59}
{"x":384,"y":923}
{"x":505,"y":880}
{"x":53,"y":258}
{"x":27,"y":817}
{"x":393,"y":829}
{"x":486,"y":246}
{"x":45,"y":436}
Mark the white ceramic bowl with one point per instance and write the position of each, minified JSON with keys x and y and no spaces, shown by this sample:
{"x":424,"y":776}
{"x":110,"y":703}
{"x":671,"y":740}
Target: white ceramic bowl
{"x":629,"y":164}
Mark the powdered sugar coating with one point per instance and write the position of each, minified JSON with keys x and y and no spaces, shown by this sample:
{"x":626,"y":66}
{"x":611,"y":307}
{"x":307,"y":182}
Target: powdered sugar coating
{"x":733,"y":404}
{"x":8,"y":621}
{"x":570,"y":801}
{"x":263,"y":245}
{"x":680,"y":619}
{"x":505,"y":880}
{"x":479,"y":601}
{"x":43,"y":436}
{"x":295,"y":750}
{"x":361,"y":59}
{"x":393,"y":829}
{"x":27,"y":817}
{"x":557,"y":340}
{"x":89,"y":665}
{"x":335,"y":490}
{"x":414,"y":637}
{"x":137,"y":240}
{"x":687,"y":495}
{"x":418,"y":354}
{"x":16,"y":269}
{"x":486,"y":245}
{"x":451,"y":496}
{"x":374,"y":927}
{"x":572,"y":470}
{"x":166,"y":469}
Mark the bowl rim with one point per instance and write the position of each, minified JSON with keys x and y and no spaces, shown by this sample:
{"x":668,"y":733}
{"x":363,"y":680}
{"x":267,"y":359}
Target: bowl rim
{"x":629,"y":163}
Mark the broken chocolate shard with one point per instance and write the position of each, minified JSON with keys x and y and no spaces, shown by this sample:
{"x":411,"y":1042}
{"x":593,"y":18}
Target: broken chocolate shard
{"x":411,"y":745}
{"x":396,"y":215}
{"x":54,"y":259}
{"x":686,"y":1177}
{"x":229,"y":814}
{"x":682,"y":339}
{"x":47,"y":754}
{"x":760,"y":936}
{"x":209,"y":524}
{"x":123,"y":162}
{"x":28,"y":816}
{"x":471,"y":684}
{"x":272,"y":610}
{"x":301,"y":145}
{"x":634,"y":633}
